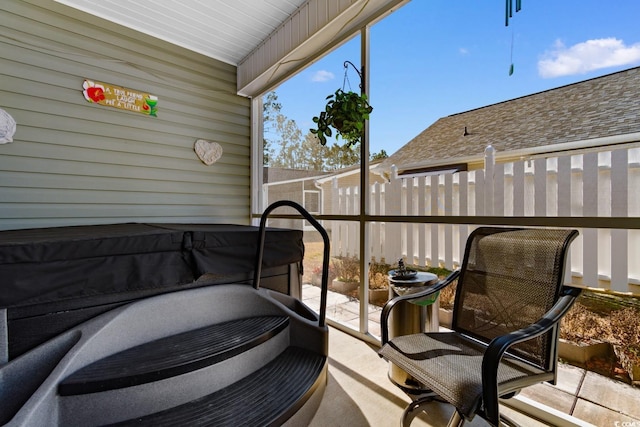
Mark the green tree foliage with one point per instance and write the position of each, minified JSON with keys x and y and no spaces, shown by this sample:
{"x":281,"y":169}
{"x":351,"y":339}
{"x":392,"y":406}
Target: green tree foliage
{"x":315,"y":155}
{"x":379,"y":156}
{"x":271,"y":109}
{"x":341,"y":156}
{"x":289,"y":143}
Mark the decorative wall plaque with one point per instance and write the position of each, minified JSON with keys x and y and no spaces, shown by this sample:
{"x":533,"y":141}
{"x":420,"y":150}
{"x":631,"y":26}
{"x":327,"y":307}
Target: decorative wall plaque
{"x":208,"y":151}
{"x":120,"y":97}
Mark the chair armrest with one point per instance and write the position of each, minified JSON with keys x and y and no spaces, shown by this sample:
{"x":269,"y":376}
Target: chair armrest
{"x":499,"y":345}
{"x":417,"y":296}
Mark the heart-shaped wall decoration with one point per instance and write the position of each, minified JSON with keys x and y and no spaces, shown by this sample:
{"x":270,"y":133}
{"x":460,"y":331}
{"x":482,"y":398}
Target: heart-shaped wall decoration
{"x":208,"y":151}
{"x":7,"y":127}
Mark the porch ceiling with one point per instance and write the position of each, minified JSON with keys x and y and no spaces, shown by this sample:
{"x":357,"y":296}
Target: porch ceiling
{"x":267,"y":40}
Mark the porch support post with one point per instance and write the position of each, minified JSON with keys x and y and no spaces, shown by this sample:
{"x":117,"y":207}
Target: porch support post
{"x":365,"y":255}
{"x":258,"y":202}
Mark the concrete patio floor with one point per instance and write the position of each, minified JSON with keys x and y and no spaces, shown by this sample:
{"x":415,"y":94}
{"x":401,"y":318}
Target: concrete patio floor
{"x":360,"y":394}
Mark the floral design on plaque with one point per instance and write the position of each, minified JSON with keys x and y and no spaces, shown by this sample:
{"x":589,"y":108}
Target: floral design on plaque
{"x":151,"y":105}
{"x":93,"y":92}
{"x":208,"y":151}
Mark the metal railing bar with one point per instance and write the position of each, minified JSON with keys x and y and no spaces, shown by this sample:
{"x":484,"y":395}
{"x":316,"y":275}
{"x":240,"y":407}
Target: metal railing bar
{"x":629,"y":223}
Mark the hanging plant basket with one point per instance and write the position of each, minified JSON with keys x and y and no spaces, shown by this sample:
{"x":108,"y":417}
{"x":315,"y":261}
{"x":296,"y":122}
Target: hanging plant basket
{"x":345,"y":112}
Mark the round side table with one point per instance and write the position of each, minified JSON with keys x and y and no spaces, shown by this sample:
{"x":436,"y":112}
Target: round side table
{"x":408,"y":318}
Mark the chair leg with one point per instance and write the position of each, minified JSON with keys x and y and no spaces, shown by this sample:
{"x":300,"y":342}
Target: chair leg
{"x":456,"y":419}
{"x":508,"y":421}
{"x":413,"y":409}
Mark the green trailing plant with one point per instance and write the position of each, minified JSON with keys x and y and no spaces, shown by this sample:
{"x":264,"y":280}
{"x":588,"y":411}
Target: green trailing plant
{"x":345,"y":112}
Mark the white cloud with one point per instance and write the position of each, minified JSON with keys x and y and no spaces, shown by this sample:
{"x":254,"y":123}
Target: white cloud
{"x":587,"y":56}
{"x":322,"y":76}
{"x":463,"y":51}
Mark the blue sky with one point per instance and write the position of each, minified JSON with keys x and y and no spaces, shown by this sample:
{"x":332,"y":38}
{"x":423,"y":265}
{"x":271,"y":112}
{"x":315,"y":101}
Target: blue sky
{"x":433,"y":58}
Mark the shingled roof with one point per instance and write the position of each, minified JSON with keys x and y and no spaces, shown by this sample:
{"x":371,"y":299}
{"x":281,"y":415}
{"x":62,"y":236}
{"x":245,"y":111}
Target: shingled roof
{"x":596,"y":108}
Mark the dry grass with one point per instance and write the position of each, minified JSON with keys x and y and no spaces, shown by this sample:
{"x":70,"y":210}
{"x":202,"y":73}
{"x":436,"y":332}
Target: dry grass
{"x":617,"y":326}
{"x":312,"y":259}
{"x":580,"y":325}
{"x":612,"y":323}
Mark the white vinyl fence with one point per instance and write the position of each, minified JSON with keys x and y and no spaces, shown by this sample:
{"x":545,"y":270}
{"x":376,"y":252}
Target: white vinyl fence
{"x":594,"y":184}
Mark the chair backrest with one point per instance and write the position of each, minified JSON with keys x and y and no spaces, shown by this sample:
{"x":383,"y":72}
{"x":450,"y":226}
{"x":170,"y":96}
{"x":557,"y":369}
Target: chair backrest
{"x":510,"y":277}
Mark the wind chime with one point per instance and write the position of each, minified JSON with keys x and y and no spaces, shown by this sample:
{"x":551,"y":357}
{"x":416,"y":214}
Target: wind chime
{"x":509,"y":14}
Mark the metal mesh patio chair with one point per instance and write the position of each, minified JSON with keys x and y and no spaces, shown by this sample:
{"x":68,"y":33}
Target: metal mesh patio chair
{"x":508,"y":305}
